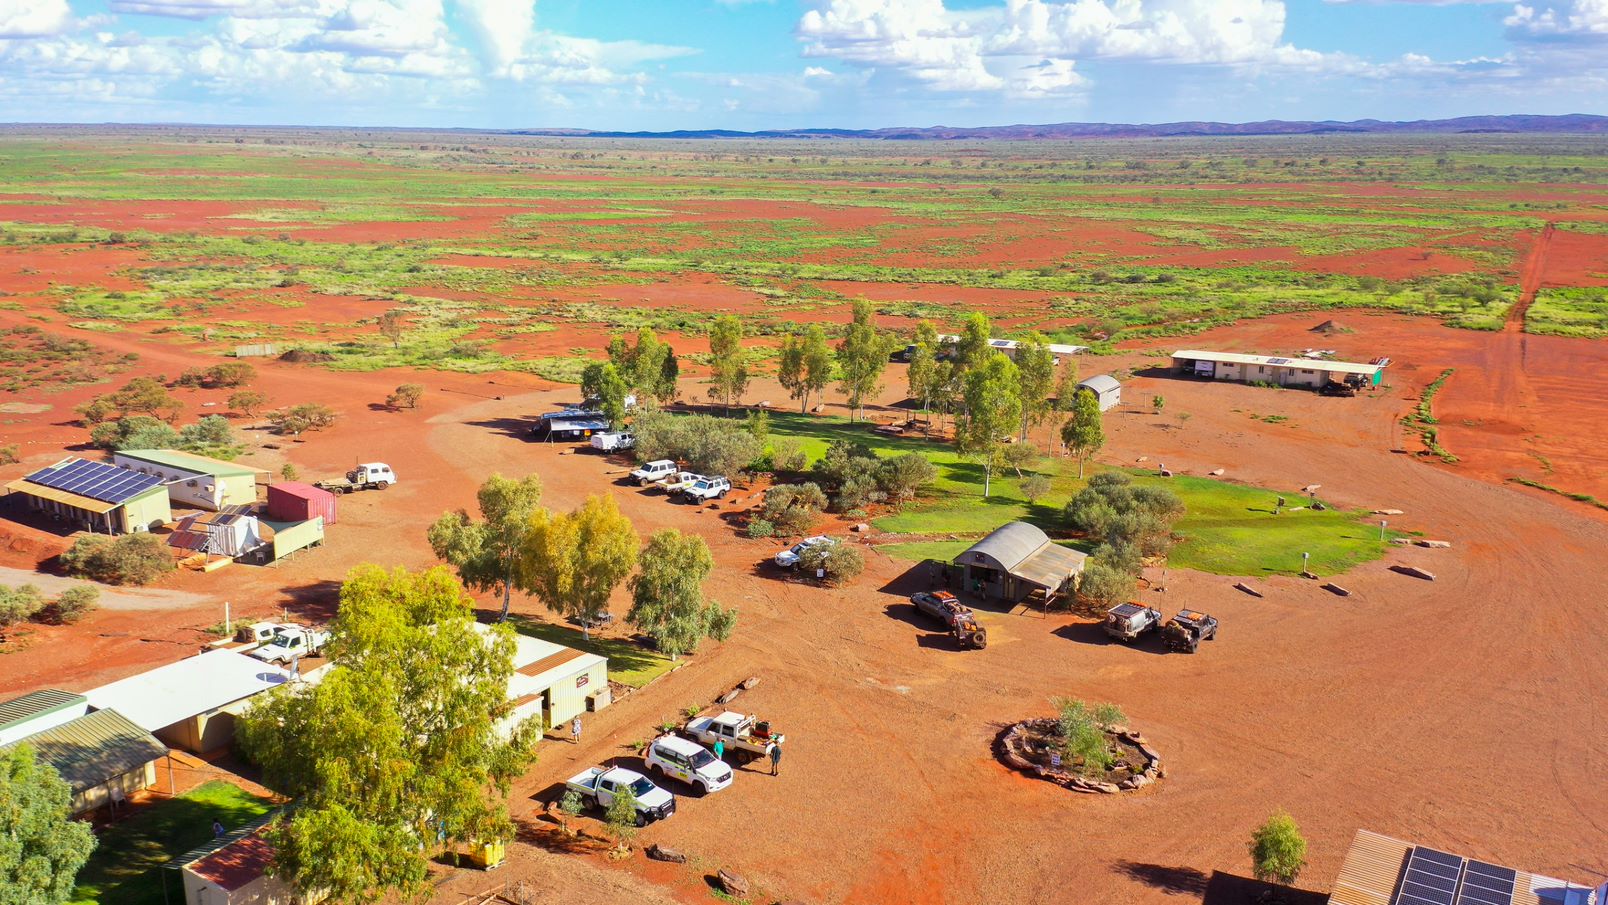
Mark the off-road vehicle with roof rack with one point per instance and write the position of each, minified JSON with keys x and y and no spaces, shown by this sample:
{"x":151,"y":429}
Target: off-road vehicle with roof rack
{"x":1185,"y":631}
{"x":1127,"y":621}
{"x":956,"y":616}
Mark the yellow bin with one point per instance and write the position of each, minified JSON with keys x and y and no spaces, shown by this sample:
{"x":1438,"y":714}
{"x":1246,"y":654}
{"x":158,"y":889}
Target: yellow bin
{"x":487,"y":855}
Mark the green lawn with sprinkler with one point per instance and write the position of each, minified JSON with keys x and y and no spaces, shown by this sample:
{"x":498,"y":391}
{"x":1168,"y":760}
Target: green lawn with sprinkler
{"x":1229,"y":529}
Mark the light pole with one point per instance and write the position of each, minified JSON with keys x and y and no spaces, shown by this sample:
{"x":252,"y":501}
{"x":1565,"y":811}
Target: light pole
{"x":1304,"y":558}
{"x":1382,"y":524}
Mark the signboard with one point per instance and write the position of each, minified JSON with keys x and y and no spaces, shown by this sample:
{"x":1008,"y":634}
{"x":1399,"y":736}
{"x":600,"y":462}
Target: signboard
{"x":581,"y":680}
{"x":1055,"y":760}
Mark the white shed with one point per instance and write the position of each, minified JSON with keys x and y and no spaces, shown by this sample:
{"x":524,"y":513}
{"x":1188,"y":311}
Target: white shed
{"x":191,"y":704}
{"x":1105,"y":388}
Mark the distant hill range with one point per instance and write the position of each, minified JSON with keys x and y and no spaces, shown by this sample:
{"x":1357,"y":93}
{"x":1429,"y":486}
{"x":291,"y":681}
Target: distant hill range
{"x":1517,"y":124}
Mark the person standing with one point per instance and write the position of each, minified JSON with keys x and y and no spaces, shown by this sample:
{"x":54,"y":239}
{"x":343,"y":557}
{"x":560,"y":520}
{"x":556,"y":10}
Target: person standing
{"x":575,"y":729}
{"x":776,"y":758}
{"x":217,"y":829}
{"x":720,"y":749}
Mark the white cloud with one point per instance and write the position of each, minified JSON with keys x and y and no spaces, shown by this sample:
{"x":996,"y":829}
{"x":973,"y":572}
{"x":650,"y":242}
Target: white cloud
{"x":1032,"y":47}
{"x":392,"y":28}
{"x":501,"y":26}
{"x":203,"y":9}
{"x":1560,"y":19}
{"x":34,"y":18}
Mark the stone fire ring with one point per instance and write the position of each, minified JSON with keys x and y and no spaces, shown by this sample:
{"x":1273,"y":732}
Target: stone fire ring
{"x":1012,"y":749}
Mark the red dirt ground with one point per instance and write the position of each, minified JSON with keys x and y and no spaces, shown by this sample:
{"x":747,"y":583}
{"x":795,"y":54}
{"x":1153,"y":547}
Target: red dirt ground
{"x":1308,"y":702}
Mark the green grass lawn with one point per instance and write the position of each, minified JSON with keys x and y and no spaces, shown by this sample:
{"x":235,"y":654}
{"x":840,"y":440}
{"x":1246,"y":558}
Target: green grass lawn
{"x":1229,"y":529}
{"x":629,"y":663}
{"x":126,"y":868}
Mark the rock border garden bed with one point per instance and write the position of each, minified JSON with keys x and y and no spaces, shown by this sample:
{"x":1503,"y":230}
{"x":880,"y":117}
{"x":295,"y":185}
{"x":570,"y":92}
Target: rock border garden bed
{"x":1017,"y":749}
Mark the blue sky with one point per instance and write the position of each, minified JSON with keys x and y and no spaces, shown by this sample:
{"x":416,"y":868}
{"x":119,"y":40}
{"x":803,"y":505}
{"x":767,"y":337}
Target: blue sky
{"x":757,"y":64}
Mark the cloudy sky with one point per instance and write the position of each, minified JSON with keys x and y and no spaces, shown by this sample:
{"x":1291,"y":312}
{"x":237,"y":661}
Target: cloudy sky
{"x":757,"y":64}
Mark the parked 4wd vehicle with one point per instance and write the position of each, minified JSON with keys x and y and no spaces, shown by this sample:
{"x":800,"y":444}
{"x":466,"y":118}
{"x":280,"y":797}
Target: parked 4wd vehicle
{"x":654,"y":472}
{"x":1127,"y":621}
{"x":706,"y":489}
{"x":789,"y":558}
{"x":1185,"y":631}
{"x":1336,"y":388}
{"x":956,"y":616}
{"x":596,"y":786}
{"x":689,"y":762}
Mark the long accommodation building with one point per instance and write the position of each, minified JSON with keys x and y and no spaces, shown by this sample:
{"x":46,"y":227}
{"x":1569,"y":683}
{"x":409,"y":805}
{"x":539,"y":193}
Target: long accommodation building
{"x":1276,"y":370}
{"x":103,"y":757}
{"x":192,"y":480}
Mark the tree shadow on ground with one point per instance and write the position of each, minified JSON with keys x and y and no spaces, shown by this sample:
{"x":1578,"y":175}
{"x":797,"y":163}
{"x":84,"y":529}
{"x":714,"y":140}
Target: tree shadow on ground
{"x":1230,"y":889}
{"x":516,"y":427}
{"x":1171,"y":880}
{"x":315,"y":602}
{"x":544,"y":834}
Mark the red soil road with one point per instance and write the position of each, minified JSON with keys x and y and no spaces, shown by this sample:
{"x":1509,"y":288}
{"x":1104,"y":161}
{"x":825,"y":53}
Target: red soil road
{"x":1307,"y":702}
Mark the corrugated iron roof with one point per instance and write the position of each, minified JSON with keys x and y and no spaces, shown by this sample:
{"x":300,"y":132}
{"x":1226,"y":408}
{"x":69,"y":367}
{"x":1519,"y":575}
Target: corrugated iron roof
{"x":189,"y":461}
{"x":23,"y":485}
{"x":36,"y":704}
{"x":236,"y":864}
{"x":1011,"y":543}
{"x":94,"y":748}
{"x":1051,"y":566}
{"x":1372,"y":866}
{"x":1100,"y":383}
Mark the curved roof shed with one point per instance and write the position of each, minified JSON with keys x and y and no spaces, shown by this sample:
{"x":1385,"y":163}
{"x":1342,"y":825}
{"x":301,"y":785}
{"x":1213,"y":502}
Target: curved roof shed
{"x":1024,"y":552}
{"x":1104,"y":387}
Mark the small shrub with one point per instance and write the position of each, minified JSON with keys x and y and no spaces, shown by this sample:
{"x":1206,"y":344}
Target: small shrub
{"x":787,"y":454}
{"x":288,"y":472}
{"x":791,"y":509}
{"x":298,"y":419}
{"x":131,"y":559}
{"x":10,"y":454}
{"x":74,"y":604}
{"x":1278,"y":850}
{"x":407,"y":396}
{"x":759,"y":527}
{"x":19,"y":604}
{"x":840,"y":562}
{"x":1035,"y":488}
{"x":902,"y":477}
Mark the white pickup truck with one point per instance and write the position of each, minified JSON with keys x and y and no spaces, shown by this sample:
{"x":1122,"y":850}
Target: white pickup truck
{"x":746,"y":736}
{"x":680,"y":481}
{"x":246,"y":638}
{"x":292,"y":642}
{"x":596,"y":786}
{"x":705,"y":489}
{"x":654,"y":472}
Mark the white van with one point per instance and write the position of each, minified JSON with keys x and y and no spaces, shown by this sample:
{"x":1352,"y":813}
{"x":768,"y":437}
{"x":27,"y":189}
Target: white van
{"x":689,"y":762}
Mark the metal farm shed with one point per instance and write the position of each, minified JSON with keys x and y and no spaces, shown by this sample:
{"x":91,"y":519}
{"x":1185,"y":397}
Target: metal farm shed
{"x":1105,"y":388}
{"x":103,"y":756}
{"x":191,"y":704}
{"x":1017,"y":559}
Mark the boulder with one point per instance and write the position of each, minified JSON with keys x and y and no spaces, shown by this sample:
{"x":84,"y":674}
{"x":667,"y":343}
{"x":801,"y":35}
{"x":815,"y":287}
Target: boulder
{"x":1216,"y":472}
{"x":1436,"y":544}
{"x":1242,"y":586}
{"x":732,"y":884}
{"x":1142,"y":459}
{"x":1387,"y":512}
{"x":1333,"y":588}
{"x":660,"y":853}
{"x":1401,"y":541}
{"x":730,"y":696}
{"x":861,"y":528}
{"x":1415,"y":572}
{"x":749,"y":683}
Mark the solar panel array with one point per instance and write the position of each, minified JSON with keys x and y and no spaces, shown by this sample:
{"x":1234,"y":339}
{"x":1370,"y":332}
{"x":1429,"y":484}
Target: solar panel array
{"x":1278,"y":361}
{"x":1437,"y":878}
{"x":1486,"y":884}
{"x":95,"y":480}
